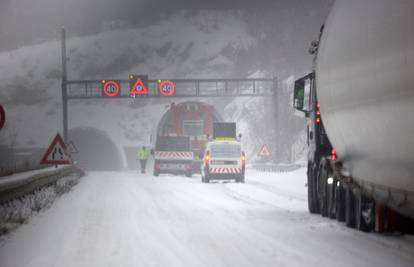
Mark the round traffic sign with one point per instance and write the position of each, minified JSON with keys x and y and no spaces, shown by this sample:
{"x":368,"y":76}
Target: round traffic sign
{"x":111,"y":88}
{"x":167,"y":88}
{"x":2,"y":116}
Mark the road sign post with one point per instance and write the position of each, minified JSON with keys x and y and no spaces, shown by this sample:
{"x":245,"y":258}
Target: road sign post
{"x":64,"y":88}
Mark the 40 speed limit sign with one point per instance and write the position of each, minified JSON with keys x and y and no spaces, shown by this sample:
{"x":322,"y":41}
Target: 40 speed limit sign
{"x":110,"y":88}
{"x":167,"y":88}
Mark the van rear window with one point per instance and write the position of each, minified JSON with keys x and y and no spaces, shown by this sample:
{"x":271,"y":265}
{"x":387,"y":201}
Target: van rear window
{"x":225,"y":151}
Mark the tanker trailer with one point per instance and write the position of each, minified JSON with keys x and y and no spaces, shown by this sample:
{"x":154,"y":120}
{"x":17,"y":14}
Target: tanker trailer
{"x":359,"y":104}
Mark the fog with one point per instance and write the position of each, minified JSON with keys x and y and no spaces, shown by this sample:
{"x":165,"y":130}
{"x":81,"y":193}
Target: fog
{"x":182,"y":39}
{"x":27,"y":22}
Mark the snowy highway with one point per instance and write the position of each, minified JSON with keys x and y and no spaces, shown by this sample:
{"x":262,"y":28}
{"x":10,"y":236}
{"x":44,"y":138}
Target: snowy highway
{"x":131,"y":219}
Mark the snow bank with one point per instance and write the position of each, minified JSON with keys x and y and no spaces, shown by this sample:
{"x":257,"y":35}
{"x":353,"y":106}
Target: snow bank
{"x":18,"y":211}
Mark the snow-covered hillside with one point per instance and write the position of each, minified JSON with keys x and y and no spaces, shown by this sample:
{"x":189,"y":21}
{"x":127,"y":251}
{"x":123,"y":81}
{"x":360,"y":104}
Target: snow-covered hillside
{"x":205,"y":45}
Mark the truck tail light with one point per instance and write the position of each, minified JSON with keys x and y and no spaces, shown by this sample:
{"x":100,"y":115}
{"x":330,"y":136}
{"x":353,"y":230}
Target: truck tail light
{"x":157,"y":166}
{"x":318,"y":113}
{"x":243,"y":159}
{"x":333,"y":154}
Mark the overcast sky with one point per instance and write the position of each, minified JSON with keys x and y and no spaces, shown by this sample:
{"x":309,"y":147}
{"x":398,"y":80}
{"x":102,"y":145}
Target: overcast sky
{"x":26,"y":22}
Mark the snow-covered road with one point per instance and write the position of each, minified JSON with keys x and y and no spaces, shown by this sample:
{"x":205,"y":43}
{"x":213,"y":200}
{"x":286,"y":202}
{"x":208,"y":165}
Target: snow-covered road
{"x":129,"y":219}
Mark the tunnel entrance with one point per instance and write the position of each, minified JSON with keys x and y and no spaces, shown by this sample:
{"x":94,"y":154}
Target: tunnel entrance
{"x":96,"y":150}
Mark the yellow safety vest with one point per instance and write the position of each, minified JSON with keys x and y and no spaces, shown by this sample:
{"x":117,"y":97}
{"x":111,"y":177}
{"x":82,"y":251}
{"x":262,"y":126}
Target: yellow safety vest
{"x":143,"y":154}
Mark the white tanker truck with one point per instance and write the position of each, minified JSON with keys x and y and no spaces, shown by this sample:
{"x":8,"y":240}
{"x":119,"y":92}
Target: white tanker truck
{"x":359,"y":102}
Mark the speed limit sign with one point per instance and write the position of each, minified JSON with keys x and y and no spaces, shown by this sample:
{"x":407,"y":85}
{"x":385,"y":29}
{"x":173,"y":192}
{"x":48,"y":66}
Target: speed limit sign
{"x":167,"y":88}
{"x":110,"y":88}
{"x":2,"y":116}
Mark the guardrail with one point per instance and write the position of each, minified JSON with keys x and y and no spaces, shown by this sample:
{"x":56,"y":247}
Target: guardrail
{"x":18,"y":185}
{"x":269,"y":167}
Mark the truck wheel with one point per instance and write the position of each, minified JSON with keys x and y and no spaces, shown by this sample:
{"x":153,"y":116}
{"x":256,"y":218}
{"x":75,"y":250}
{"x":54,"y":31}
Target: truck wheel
{"x":313,"y":203}
{"x":340,"y":202}
{"x":362,"y":212}
{"x":331,"y":199}
{"x":240,"y":178}
{"x":323,"y":185}
{"x":349,"y":208}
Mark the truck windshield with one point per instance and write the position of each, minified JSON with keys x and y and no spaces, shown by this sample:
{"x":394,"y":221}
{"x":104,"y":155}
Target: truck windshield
{"x":225,"y":151}
{"x":169,"y":143}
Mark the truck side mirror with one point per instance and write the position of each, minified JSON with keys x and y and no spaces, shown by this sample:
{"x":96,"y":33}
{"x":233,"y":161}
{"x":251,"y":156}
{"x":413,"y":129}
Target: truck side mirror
{"x":299,"y":94}
{"x":302,"y":94}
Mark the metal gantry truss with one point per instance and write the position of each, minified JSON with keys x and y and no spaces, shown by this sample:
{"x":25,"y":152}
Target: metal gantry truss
{"x":184,"y":88}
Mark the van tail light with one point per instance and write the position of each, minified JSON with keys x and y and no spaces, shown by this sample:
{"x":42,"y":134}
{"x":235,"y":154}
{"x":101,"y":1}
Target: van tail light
{"x":333,"y":154}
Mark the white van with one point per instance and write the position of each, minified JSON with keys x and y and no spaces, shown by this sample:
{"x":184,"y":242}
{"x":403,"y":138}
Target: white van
{"x":223,"y":160}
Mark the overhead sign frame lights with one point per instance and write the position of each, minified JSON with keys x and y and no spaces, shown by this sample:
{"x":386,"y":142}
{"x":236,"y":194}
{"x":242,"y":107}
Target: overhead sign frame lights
{"x":110,"y":88}
{"x":167,"y":88}
{"x":2,"y":117}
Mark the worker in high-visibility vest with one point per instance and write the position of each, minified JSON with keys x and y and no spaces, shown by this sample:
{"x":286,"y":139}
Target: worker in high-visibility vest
{"x":143,"y":155}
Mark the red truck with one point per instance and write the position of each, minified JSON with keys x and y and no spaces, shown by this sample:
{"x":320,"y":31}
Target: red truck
{"x":192,"y":119}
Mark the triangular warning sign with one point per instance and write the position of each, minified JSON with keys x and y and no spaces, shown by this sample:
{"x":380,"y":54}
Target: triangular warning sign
{"x":56,"y":153}
{"x":264,"y":151}
{"x":71,"y":148}
{"x":139,"y":88}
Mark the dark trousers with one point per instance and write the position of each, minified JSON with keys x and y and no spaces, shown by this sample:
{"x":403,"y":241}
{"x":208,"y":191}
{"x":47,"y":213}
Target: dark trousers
{"x":143,"y":163}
